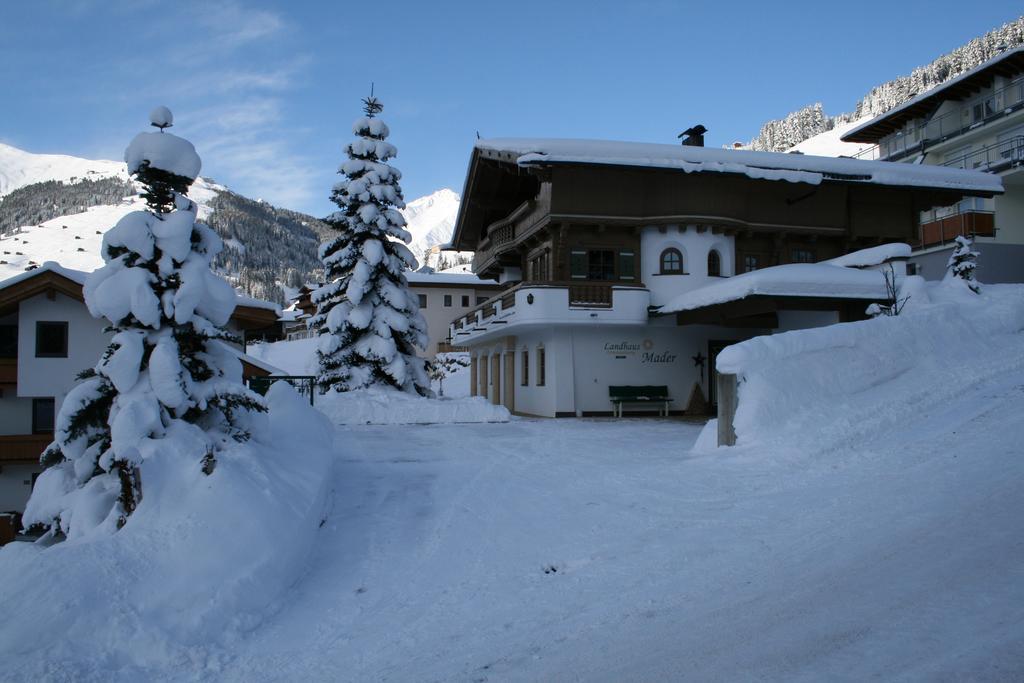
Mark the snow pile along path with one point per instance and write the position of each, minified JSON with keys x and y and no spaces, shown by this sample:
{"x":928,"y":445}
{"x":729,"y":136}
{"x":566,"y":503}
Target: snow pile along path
{"x":391,"y":407}
{"x":826,"y":385}
{"x":202,"y":559}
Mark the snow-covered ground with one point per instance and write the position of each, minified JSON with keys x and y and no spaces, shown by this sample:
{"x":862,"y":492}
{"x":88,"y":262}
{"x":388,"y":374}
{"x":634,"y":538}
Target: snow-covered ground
{"x":608,"y":550}
{"x":392,"y":407}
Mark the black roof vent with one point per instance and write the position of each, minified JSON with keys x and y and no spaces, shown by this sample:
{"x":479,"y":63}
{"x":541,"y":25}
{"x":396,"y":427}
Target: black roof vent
{"x":694,"y":136}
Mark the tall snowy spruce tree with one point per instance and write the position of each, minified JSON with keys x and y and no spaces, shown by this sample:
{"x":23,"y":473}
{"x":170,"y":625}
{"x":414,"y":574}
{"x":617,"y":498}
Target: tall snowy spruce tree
{"x":962,"y":263}
{"x":166,"y":383}
{"x":368,"y":320}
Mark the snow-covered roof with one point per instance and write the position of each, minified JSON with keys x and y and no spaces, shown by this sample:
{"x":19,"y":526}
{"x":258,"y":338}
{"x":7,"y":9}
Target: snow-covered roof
{"x":913,"y":107}
{"x":794,"y":168}
{"x":793,"y":279}
{"x":872,"y":256}
{"x":246,"y":358}
{"x":48,"y":267}
{"x":417,"y":278}
{"x":244,"y":300}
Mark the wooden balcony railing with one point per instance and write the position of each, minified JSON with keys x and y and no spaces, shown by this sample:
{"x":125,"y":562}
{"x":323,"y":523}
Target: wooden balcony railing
{"x":947,"y":228}
{"x":23,"y":447}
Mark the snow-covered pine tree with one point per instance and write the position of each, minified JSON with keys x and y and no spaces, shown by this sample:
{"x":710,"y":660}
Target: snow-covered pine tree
{"x":167,"y":380}
{"x":368,"y":320}
{"x":962,"y":263}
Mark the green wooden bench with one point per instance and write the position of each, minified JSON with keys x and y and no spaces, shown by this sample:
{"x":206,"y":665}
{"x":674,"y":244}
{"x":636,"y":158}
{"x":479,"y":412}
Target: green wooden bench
{"x":620,"y":396}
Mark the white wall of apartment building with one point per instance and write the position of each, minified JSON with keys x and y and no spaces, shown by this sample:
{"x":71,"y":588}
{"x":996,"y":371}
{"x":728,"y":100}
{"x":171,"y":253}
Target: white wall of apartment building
{"x":15,"y":412}
{"x":443,"y":305}
{"x":16,"y":485}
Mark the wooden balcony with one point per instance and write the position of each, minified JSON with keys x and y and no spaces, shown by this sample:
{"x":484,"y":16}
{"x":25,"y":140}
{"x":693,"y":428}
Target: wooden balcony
{"x":947,"y":228}
{"x":503,"y":234}
{"x":23,"y":447}
{"x":8,"y":370}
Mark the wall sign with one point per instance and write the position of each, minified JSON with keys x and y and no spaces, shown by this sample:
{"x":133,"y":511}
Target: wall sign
{"x":644,"y":350}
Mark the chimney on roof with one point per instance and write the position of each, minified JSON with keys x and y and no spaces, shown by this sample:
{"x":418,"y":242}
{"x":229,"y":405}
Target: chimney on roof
{"x":694,"y":136}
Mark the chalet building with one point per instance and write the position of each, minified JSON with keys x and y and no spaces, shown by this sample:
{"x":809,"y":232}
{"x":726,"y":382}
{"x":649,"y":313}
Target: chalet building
{"x":47,"y":336}
{"x":632,"y":265}
{"x":442,"y":298}
{"x":974,"y":121}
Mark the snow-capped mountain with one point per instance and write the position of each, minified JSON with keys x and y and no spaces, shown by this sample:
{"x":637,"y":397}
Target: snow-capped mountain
{"x":56,"y":208}
{"x":431,"y":220}
{"x":19,"y":168}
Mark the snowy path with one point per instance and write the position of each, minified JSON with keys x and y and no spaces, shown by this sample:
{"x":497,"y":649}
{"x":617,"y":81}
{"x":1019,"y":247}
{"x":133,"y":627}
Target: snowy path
{"x":597,"y":550}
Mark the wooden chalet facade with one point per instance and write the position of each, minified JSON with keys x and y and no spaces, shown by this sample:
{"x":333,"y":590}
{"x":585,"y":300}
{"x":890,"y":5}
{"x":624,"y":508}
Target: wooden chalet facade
{"x":592,"y":238}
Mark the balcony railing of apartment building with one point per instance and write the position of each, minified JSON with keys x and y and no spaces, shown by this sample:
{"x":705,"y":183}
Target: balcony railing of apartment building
{"x":992,"y":158}
{"x":939,"y":227}
{"x":973,"y":114}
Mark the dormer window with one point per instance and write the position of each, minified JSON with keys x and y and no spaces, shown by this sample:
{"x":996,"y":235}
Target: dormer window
{"x":671,"y":262}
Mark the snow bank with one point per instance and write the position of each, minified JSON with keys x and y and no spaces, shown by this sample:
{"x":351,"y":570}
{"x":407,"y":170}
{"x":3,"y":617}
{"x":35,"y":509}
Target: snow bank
{"x":388,"y":406}
{"x":295,"y":357}
{"x":201,"y":560}
{"x":872,"y":256}
{"x":834,"y":383}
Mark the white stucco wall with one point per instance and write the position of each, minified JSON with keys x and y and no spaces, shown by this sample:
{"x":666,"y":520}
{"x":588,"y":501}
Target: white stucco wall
{"x":15,"y":413}
{"x":582,"y":361}
{"x":695,"y":247}
{"x":16,"y":485}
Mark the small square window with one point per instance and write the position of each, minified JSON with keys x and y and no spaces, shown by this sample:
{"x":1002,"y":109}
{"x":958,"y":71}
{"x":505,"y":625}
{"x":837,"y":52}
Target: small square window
{"x":447,"y":300}
{"x":465,"y":301}
{"x":423,"y":300}
{"x":480,"y":300}
{"x":42,"y":415}
{"x":51,"y":339}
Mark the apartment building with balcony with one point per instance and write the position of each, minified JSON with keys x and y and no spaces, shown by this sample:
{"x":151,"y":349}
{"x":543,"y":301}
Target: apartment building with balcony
{"x":631,"y":264}
{"x":47,"y":337}
{"x":976,"y":122}
{"x":442,"y":298}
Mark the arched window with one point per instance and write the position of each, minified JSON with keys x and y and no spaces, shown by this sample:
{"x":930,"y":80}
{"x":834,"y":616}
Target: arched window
{"x":714,"y":264}
{"x":671,"y":262}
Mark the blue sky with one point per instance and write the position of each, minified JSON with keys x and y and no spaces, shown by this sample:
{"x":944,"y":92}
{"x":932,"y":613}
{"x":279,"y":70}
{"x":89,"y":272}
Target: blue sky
{"x":268,"y":91}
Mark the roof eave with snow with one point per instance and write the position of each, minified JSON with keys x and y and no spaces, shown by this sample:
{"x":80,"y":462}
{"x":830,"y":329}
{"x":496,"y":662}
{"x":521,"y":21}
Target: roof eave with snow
{"x":794,"y":168}
{"x":959,"y":87}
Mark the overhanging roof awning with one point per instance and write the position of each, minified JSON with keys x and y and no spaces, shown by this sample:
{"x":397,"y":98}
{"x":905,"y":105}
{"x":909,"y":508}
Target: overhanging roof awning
{"x":1008,"y":64}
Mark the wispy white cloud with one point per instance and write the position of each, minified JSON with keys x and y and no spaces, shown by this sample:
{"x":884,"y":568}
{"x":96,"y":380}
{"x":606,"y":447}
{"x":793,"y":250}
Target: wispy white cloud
{"x":228,"y":88}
